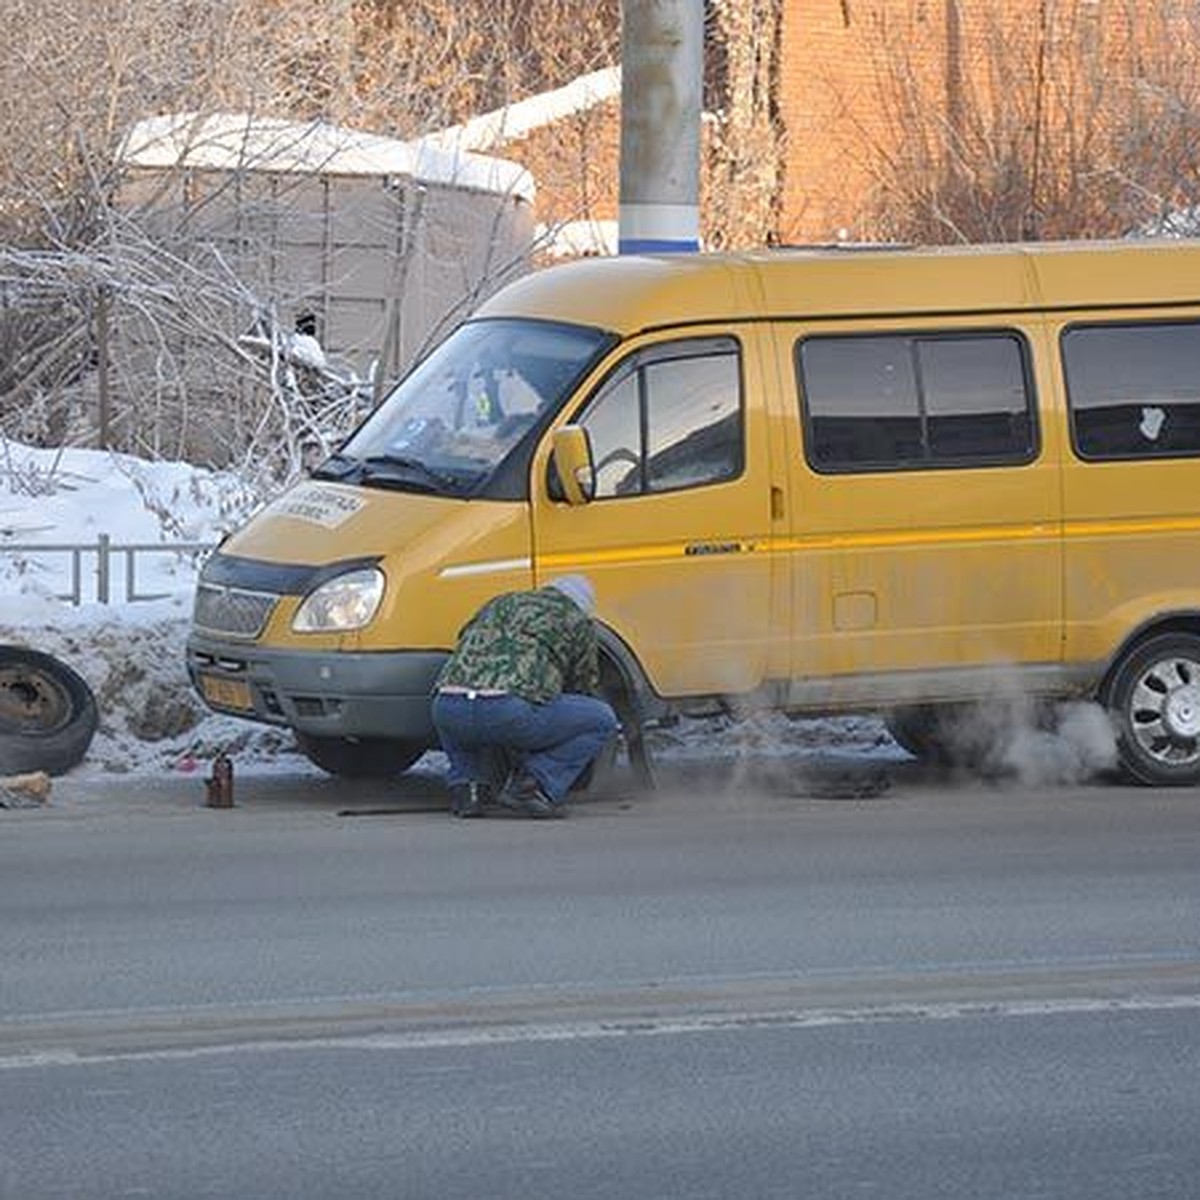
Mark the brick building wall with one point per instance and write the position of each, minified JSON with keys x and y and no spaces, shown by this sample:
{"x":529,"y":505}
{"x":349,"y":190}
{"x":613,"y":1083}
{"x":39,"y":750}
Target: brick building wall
{"x":871,"y":93}
{"x":848,"y":70}
{"x":576,"y":164}
{"x":1054,"y":91}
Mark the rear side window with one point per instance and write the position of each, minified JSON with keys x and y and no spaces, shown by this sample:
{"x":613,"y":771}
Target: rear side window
{"x":1134,"y":390}
{"x":669,"y":417}
{"x":895,"y":402}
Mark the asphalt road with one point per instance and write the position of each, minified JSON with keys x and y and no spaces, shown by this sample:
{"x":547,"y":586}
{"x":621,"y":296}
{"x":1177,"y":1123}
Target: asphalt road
{"x":731,"y":987}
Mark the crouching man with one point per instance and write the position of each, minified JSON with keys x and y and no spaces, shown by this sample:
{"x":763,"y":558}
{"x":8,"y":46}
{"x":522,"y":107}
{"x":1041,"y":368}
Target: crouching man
{"x":521,"y":688}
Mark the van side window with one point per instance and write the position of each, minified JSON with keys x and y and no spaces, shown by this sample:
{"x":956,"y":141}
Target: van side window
{"x":670,"y":417}
{"x":1134,"y":390}
{"x":882,"y":403}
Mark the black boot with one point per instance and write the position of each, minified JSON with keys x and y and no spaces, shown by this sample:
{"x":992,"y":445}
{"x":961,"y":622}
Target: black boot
{"x":524,"y":795}
{"x":467,"y":799}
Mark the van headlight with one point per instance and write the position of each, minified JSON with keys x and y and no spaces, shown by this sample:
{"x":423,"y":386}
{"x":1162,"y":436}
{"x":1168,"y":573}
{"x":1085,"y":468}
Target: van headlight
{"x":345,"y":602}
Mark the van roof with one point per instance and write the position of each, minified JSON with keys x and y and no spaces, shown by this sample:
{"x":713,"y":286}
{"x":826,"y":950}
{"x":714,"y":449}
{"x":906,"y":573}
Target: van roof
{"x":630,"y":293}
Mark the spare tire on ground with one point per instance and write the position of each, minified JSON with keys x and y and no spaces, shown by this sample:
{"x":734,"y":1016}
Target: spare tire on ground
{"x":47,"y":713}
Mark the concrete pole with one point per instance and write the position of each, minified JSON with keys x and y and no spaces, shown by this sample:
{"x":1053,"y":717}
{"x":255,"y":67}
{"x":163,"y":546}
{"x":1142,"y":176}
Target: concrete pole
{"x":662,"y":68}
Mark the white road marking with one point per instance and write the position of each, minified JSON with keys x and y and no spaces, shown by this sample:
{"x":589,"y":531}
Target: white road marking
{"x":515,"y":1033}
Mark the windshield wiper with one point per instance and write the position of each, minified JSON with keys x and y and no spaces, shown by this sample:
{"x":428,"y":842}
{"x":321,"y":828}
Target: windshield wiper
{"x":382,"y":468}
{"x":387,"y":470}
{"x":336,"y":466}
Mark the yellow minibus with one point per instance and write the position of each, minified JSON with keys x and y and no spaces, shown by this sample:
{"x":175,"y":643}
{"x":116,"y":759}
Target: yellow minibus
{"x":905,"y":481}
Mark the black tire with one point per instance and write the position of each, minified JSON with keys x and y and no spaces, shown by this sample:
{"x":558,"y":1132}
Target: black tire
{"x":637,"y":749}
{"x":912,"y":729}
{"x":946,"y":735}
{"x":47,"y":713}
{"x":631,"y":735}
{"x":1153,"y":698}
{"x":360,"y":758}
{"x":629,"y":741}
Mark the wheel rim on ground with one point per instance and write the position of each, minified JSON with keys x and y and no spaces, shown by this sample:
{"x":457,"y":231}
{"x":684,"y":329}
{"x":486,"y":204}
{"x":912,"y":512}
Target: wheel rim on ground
{"x":31,"y":701}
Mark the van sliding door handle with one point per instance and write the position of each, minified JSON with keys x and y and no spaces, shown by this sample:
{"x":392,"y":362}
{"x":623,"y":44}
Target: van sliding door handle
{"x":776,"y":504}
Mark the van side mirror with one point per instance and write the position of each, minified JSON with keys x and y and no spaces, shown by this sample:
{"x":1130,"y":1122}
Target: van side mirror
{"x":571,"y":461}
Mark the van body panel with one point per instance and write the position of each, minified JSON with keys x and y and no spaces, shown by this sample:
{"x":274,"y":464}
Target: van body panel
{"x":883,"y":283}
{"x":860,"y":283}
{"x":685,"y":576}
{"x":697,"y":607}
{"x":442,"y":558}
{"x":901,"y":570}
{"x":323,"y":692}
{"x":437,"y":582}
{"x":315,"y":522}
{"x":631,"y":293}
{"x":874,"y":691}
{"x":877,"y":590}
{"x":1122,"y":572}
{"x":1131,"y":529}
{"x":1091,"y":276}
{"x":376,"y":681}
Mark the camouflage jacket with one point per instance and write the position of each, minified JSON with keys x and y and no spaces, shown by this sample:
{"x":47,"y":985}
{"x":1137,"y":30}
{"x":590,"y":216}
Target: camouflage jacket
{"x":534,"y":644}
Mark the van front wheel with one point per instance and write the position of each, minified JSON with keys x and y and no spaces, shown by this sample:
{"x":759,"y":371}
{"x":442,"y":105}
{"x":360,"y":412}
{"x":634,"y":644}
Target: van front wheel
{"x":359,"y":758}
{"x":1154,"y":700}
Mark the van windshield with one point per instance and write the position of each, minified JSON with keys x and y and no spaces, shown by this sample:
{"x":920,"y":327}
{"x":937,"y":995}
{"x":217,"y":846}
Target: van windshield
{"x":462,"y":410}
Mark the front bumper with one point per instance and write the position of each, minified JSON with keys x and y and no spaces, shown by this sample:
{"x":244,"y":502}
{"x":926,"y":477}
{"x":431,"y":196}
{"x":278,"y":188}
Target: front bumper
{"x":322,"y":693}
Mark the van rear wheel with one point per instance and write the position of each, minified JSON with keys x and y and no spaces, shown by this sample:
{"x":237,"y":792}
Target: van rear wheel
{"x":359,"y":758}
{"x":912,"y":729}
{"x":1154,"y":701}
{"x":947,"y":735}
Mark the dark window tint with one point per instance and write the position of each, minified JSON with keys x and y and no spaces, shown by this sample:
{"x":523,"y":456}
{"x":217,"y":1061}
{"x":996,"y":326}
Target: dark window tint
{"x":1134,"y":390}
{"x":881,"y":403}
{"x":669,"y":418}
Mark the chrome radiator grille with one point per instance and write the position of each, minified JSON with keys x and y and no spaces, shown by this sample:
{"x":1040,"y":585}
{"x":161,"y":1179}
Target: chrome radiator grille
{"x":230,"y":611}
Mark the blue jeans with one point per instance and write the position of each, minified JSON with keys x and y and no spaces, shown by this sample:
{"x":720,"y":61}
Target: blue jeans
{"x":553,"y":742}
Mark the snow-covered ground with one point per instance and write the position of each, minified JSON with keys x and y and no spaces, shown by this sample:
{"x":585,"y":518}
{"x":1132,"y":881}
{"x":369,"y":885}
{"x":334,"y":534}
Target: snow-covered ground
{"x":131,"y":651}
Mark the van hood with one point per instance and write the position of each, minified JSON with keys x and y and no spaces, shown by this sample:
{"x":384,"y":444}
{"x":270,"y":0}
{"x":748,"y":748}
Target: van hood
{"x":315,"y":523}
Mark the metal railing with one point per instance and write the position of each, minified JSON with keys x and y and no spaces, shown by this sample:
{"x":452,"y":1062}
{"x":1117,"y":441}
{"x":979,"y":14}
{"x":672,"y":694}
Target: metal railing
{"x":105,"y":550}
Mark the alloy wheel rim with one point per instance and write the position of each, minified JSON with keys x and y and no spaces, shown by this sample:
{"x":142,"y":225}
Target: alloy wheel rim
{"x":1164,"y":711}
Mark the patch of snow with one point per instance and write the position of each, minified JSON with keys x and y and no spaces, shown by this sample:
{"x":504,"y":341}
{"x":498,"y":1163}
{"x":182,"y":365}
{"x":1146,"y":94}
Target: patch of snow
{"x":1179,"y":223}
{"x":577,"y":239}
{"x":491,"y":130}
{"x":305,"y":351}
{"x":248,"y":142}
